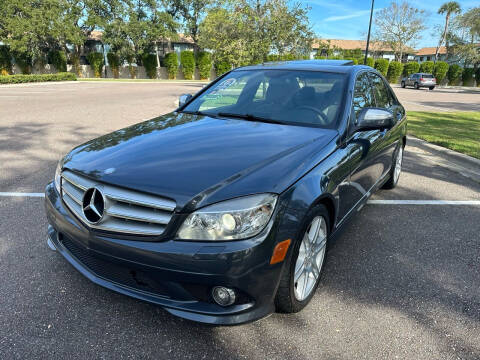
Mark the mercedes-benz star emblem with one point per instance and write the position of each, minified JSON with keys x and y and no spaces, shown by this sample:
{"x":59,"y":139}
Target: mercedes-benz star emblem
{"x":93,"y":205}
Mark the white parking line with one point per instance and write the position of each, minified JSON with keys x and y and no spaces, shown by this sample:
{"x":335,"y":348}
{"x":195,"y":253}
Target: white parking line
{"x":17,"y":194}
{"x":423,"y":202}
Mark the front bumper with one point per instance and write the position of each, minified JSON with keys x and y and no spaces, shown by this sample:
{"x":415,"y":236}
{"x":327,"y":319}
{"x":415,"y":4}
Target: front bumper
{"x":176,"y":275}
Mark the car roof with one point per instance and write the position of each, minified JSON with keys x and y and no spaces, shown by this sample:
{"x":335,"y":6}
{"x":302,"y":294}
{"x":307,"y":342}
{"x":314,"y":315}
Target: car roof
{"x":341,"y":66}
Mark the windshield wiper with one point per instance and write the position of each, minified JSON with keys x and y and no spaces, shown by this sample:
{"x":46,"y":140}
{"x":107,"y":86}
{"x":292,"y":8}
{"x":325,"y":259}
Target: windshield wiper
{"x":250,"y":117}
{"x":196,"y":113}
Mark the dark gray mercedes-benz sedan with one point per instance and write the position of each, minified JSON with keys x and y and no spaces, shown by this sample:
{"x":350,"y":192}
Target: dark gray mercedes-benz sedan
{"x":222,"y":211}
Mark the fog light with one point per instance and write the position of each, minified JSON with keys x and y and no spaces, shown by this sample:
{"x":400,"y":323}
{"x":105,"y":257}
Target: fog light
{"x":223,"y":296}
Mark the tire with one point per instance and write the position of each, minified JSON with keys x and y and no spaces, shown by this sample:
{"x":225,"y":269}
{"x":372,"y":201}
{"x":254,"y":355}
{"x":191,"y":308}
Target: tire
{"x":432,"y":87}
{"x":416,"y":86}
{"x":288,"y":299}
{"x":403,"y":84}
{"x":394,"y":174}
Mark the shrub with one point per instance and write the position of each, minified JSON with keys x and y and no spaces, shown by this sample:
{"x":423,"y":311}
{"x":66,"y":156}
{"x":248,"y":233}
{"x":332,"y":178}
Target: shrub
{"x":477,"y":76}
{"x":440,"y":71}
{"x":454,"y":74}
{"x":58,"y":58}
{"x":204,"y":64}
{"x":187,"y":59}
{"x":221,"y":67}
{"x":355,"y":61}
{"x":96,"y":62}
{"x":149,"y":61}
{"x":114,"y":62}
{"x":131,"y":68}
{"x":467,"y":77}
{"x":16,"y":79}
{"x":370,"y":62}
{"x":395,"y":69}
{"x":75,"y":61}
{"x":410,"y":68}
{"x":171,"y":63}
{"x":427,"y":67}
{"x":5,"y":61}
{"x":25,"y":63}
{"x":382,"y":66}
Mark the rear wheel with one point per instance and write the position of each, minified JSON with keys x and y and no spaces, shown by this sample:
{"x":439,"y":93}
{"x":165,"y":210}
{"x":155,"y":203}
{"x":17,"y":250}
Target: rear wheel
{"x":302,"y":274}
{"x":403,"y":84}
{"x":396,"y":168}
{"x":416,"y":86}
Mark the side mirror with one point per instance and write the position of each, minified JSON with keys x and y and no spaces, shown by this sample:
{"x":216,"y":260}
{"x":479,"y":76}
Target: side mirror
{"x":184,"y":98}
{"x":374,"y":118}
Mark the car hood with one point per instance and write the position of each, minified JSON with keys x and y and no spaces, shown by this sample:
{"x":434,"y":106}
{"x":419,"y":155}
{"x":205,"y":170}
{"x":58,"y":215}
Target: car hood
{"x":197,"y":160}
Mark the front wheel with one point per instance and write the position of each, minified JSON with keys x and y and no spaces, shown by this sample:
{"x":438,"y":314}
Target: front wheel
{"x":396,"y":168}
{"x":301,"y":275}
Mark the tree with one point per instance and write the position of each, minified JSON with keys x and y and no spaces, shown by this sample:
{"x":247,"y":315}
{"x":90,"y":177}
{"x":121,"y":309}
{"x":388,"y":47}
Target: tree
{"x":249,"y":30}
{"x":465,"y":36}
{"x":137,"y":28}
{"x":400,"y":26}
{"x":192,"y":13}
{"x":449,"y":8}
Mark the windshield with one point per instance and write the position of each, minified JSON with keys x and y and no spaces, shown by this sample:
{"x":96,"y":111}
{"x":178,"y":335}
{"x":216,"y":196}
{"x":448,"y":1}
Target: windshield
{"x":310,"y":98}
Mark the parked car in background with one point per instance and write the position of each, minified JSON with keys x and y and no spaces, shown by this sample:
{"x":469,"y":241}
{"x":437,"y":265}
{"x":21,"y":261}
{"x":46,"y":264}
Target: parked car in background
{"x":419,"y":80}
{"x":221,"y":211}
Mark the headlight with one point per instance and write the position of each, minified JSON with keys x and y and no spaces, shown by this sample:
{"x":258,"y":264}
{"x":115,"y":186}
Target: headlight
{"x":58,"y":175}
{"x":235,"y":219}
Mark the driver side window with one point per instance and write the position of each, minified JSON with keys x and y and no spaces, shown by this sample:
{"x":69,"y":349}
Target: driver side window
{"x":363,"y":95}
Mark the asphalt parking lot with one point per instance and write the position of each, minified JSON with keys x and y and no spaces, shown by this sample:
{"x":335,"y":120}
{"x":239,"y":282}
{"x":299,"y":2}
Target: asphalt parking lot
{"x":401,"y":282}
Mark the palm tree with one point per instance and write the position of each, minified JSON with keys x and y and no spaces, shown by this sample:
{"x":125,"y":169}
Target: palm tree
{"x":448,"y":8}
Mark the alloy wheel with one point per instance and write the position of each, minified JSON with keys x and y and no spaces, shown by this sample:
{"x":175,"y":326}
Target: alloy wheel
{"x":310,"y":258}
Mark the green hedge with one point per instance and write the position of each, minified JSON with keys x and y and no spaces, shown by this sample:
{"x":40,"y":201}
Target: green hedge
{"x":440,"y":71}
{"x":187,"y":59}
{"x":96,"y":62}
{"x":17,"y":79}
{"x":114,"y":62}
{"x":5,"y":61}
{"x":410,"y":68}
{"x":370,"y":62}
{"x":25,"y":63}
{"x":454,"y":74}
{"x":382,"y":66}
{"x":395,"y":69}
{"x":467,"y":77}
{"x":150,"y":63}
{"x":171,"y":63}
{"x":427,"y":67}
{"x":204,"y":64}
{"x":58,"y":58}
{"x":477,"y":76}
{"x":221,"y":67}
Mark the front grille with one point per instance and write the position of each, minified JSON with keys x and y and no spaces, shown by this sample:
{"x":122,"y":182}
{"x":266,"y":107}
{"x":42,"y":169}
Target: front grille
{"x":112,"y":272}
{"x":124,"y":211}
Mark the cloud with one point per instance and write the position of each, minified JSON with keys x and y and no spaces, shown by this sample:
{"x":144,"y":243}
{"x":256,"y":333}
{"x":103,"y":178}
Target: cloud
{"x":349,"y":16}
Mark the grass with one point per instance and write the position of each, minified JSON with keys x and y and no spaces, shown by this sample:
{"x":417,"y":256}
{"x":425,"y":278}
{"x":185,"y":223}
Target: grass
{"x":139,"y":80}
{"x":459,"y":131}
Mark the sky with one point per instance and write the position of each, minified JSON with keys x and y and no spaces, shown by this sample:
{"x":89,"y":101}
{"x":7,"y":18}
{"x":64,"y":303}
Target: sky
{"x":348,"y":19}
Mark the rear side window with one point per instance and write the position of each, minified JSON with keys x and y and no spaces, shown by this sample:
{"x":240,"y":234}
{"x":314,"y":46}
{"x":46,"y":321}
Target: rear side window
{"x":382,"y":94}
{"x":363,"y":95}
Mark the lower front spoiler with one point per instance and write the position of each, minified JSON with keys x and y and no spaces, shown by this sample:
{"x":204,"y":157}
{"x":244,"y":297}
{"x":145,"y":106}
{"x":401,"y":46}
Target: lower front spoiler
{"x":209,"y":313}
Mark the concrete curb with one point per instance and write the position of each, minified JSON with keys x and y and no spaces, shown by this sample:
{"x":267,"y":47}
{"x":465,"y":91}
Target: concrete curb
{"x":460,"y":163}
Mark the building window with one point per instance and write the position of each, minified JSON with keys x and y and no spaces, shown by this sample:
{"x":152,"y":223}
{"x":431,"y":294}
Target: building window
{"x":428,"y":58}
{"x":421,"y":58}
